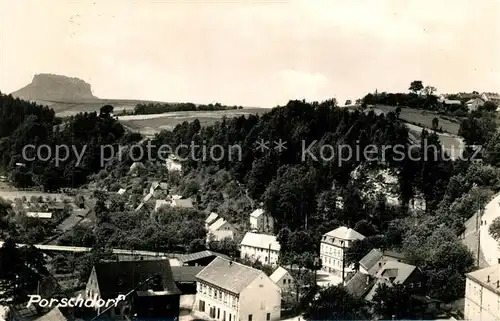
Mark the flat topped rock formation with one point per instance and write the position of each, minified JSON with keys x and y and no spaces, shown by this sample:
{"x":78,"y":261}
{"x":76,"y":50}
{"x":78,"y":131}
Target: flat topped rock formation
{"x":49,"y":87}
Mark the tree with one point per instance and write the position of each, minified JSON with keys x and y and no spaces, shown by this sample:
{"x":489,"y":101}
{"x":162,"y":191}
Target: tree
{"x":416,"y":86}
{"x":489,"y":106}
{"x":106,"y":110}
{"x":435,"y":123}
{"x":392,"y":302}
{"x":494,"y":229}
{"x":429,"y":90}
{"x":335,"y":303}
{"x":348,"y":102}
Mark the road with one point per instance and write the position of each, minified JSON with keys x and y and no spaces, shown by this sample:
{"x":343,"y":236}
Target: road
{"x":489,"y":246}
{"x":76,"y":249}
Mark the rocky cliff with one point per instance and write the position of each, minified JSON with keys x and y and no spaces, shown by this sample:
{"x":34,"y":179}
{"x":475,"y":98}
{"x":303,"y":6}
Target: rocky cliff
{"x":48,"y":87}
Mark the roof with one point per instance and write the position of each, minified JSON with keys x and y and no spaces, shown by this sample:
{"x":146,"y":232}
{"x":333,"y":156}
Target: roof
{"x":39,"y":214}
{"x":231,"y":276}
{"x":397,"y":270}
{"x":147,"y":197}
{"x":395,"y":255}
{"x":185,"y":258}
{"x":137,"y":165}
{"x":263,"y":241}
{"x":474,"y":100}
{"x":345,"y":233}
{"x":370,"y":259}
{"x":161,"y":203}
{"x":360,"y":284}
{"x":53,"y":315}
{"x":452,"y":102}
{"x":211,"y":218}
{"x":278,"y":274}
{"x":184,"y":203}
{"x":122,"y":276}
{"x":491,"y":274}
{"x":257,"y":213}
{"x":164,"y":186}
{"x":185,"y":273}
{"x":121,"y":191}
{"x":217,"y":224}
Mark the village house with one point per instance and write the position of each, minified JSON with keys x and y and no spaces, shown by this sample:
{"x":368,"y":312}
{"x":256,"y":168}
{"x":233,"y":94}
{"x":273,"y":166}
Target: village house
{"x":161,"y":203}
{"x":260,"y":247}
{"x":283,"y":279}
{"x":332,"y":250}
{"x":156,"y":294}
{"x":493,"y":97}
{"x":212,"y":217}
{"x":182,"y":203}
{"x":482,"y":294}
{"x":173,"y":164}
{"x":261,"y":221}
{"x":43,"y":215}
{"x":231,"y":291}
{"x":474,"y":104}
{"x":372,"y":262}
{"x":202,"y":258}
{"x":220,"y":229}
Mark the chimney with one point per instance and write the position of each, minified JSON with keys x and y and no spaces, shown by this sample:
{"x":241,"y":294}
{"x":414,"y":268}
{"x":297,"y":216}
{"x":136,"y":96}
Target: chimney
{"x":498,"y":284}
{"x":488,"y":279}
{"x":231,"y":262}
{"x":367,"y":279}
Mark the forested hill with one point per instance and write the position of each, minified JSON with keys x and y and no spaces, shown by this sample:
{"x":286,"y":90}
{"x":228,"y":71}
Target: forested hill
{"x":269,"y":175}
{"x":23,"y":123}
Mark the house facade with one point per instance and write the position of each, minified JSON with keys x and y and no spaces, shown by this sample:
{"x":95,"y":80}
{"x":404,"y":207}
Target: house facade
{"x":482,"y":294}
{"x":283,"y":279}
{"x":261,"y":247}
{"x":474,"y":104}
{"x":333,"y":247}
{"x":231,"y":291}
{"x":261,"y":221}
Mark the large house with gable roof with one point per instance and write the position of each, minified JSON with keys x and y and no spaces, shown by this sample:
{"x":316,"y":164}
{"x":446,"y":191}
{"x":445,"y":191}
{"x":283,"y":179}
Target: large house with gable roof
{"x":230,"y":291}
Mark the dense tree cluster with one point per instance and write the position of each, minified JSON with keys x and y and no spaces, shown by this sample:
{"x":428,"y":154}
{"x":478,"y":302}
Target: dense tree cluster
{"x":23,"y":124}
{"x":160,"y":108}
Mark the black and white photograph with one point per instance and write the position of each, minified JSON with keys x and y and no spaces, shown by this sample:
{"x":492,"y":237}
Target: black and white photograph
{"x":249,"y":160}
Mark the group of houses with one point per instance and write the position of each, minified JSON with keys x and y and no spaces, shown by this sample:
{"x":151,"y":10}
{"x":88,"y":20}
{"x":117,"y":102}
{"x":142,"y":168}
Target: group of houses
{"x":473,"y":101}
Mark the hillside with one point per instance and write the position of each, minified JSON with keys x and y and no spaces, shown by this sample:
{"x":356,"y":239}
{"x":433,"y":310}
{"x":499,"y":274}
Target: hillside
{"x":50,"y":87}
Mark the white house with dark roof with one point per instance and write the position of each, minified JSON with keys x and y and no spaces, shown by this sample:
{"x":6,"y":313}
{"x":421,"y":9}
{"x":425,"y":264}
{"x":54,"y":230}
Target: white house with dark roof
{"x":261,"y":221}
{"x":474,"y":103}
{"x":261,"y":247}
{"x":283,"y":279}
{"x":333,"y":246}
{"x":231,"y":291}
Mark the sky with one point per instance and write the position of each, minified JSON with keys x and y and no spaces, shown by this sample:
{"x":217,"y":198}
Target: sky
{"x":252,"y":53}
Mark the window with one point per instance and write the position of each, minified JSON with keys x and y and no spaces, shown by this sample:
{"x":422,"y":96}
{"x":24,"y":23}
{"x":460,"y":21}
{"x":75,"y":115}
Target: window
{"x":419,"y":284}
{"x":411,"y":285}
{"x":249,"y":317}
{"x":268,"y":317}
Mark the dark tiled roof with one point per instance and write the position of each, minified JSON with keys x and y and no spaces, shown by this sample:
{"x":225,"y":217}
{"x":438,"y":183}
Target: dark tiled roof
{"x":395,"y":255}
{"x":228,"y":275}
{"x":200,"y":255}
{"x":186,"y":273}
{"x":370,"y":259}
{"x":360,"y":284}
{"x":121,"y":277}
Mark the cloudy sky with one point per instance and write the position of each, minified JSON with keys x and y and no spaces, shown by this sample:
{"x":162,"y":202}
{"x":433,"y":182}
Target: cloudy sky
{"x":252,"y":53}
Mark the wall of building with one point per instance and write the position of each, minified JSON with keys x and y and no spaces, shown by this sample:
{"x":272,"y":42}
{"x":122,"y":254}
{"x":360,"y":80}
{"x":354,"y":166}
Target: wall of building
{"x":332,"y":258}
{"x":261,"y":299}
{"x":286,"y":283}
{"x":265,"y":256}
{"x":219,"y":299}
{"x":480,"y":302}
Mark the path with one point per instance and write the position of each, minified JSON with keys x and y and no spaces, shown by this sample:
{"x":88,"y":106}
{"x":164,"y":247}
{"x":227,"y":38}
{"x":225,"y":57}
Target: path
{"x":489,"y":246}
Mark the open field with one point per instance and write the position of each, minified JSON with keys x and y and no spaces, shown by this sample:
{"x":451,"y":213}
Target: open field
{"x":151,"y":124}
{"x":420,"y":117}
